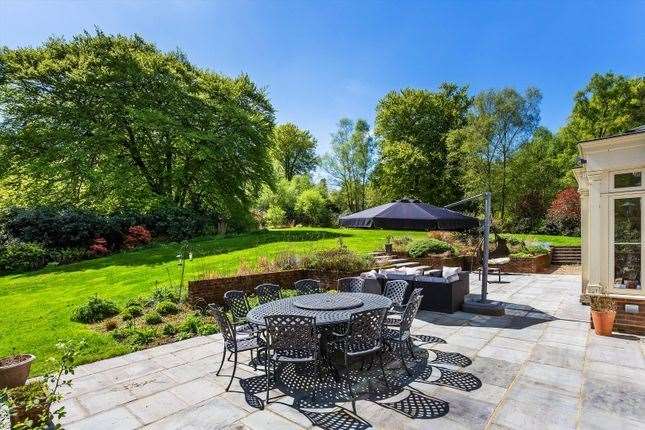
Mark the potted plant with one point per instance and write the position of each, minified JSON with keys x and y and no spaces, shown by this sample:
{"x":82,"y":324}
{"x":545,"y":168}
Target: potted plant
{"x":388,"y":245}
{"x":603,"y":313}
{"x":29,"y":405}
{"x":14,"y":369}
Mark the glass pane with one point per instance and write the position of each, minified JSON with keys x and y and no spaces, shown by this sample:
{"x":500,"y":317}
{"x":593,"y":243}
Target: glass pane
{"x":627,"y":243}
{"x":626,"y":180}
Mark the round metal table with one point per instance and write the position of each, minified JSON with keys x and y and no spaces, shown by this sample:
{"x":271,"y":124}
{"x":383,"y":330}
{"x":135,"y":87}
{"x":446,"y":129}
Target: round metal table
{"x":327,"y":308}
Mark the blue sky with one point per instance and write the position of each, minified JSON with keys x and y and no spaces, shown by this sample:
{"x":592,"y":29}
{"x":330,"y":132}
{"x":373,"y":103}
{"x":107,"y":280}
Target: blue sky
{"x":323,"y":60}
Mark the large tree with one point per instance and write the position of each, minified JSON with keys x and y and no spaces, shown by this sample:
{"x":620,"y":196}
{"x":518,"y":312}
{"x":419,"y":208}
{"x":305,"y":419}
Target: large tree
{"x":294,"y":150}
{"x":351,"y":161}
{"x":609,"y":104}
{"x":499,"y":122}
{"x":413,"y":125}
{"x":110,"y":121}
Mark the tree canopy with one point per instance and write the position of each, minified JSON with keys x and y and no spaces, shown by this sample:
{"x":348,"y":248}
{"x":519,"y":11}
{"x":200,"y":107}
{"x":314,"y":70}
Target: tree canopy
{"x":413,"y":125}
{"x":110,"y":121}
{"x":294,"y":150}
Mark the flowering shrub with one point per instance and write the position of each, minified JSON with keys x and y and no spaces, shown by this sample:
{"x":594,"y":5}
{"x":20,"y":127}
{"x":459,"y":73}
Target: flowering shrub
{"x":563,"y":216}
{"x":137,"y":235}
{"x":99,"y":247}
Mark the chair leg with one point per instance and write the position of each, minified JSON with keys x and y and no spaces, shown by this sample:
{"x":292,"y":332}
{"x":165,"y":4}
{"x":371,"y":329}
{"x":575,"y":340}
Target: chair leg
{"x":222,"y":362}
{"x":267,"y":365}
{"x":380,"y":361}
{"x":402,"y":355}
{"x":253,"y":363}
{"x":234,"y":369}
{"x":409,"y":344}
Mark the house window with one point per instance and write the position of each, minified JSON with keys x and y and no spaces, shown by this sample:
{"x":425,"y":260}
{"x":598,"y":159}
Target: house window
{"x":627,"y":180}
{"x":627,"y":243}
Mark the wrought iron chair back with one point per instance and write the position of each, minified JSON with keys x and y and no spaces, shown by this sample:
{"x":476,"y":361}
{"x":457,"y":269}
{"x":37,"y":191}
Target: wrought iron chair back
{"x":351,"y":285}
{"x":395,"y":290}
{"x":292,"y":336}
{"x":268,"y":293}
{"x":308,"y":286}
{"x":237,"y":304}
{"x":225,"y":326}
{"x":364,"y":332}
{"x":409,"y":314}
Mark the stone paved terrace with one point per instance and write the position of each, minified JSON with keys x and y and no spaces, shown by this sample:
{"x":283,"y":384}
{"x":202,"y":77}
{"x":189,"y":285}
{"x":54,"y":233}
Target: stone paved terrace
{"x":540,"y":367}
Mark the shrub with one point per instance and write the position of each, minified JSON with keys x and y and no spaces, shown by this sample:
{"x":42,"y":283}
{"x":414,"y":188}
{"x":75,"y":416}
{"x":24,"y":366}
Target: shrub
{"x":421,"y":248}
{"x":99,"y":247}
{"x":110,"y":325}
{"x":122,"y":333}
{"x":167,"y":308}
{"x":338,"y":259}
{"x":169,"y":330}
{"x":18,"y":256}
{"x":161,"y":294}
{"x":311,"y":207}
{"x":152,"y":318}
{"x":67,"y":255}
{"x":276,"y":216}
{"x":208,"y":328}
{"x":96,"y":309}
{"x":176,"y":224}
{"x":563,"y":216}
{"x":135,"y":310}
{"x":137,"y":235}
{"x":127,"y":316}
{"x":400,"y":244}
{"x":142,"y":336}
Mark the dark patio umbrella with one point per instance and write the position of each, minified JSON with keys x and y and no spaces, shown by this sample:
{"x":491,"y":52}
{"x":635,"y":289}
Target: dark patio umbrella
{"x":407,"y":214}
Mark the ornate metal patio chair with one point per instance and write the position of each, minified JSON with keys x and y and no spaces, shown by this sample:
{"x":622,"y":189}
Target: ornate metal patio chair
{"x":394,"y":316}
{"x":362,"y":339}
{"x":290,"y":339}
{"x":238,"y":305}
{"x":307,"y":286}
{"x":351,"y":285}
{"x":268,"y":293}
{"x":234,"y":342}
{"x":395,"y":291}
{"x":402,"y":337}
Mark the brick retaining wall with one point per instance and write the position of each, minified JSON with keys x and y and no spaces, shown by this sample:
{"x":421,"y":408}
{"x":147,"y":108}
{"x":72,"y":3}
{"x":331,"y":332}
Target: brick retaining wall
{"x":212,"y":290}
{"x":626,"y":322}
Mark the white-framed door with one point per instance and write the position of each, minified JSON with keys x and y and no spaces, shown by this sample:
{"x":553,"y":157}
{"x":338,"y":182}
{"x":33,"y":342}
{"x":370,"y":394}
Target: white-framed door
{"x":627,"y":242}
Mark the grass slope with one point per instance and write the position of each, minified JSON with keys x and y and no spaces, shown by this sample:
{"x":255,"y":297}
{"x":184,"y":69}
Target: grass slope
{"x":36,"y":306}
{"x":552,"y":240}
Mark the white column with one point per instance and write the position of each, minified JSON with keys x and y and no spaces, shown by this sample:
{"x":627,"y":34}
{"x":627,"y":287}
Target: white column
{"x":595,"y":238}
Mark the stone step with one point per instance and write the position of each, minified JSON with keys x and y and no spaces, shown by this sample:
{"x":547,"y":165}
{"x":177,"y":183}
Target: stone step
{"x":406,"y":264}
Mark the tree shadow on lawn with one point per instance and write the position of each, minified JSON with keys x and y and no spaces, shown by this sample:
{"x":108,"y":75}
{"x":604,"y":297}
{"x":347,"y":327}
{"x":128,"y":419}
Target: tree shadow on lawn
{"x":201,"y":247}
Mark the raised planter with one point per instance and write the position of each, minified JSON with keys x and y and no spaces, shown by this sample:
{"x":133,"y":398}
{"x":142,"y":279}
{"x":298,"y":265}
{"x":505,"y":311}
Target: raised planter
{"x":14,"y":370}
{"x":536,"y":264}
{"x":212,"y":290}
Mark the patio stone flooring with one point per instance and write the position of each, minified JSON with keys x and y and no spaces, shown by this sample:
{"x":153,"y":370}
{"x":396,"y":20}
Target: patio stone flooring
{"x":540,"y":367}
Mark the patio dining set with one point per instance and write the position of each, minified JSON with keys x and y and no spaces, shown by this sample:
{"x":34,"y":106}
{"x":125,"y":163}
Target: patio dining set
{"x":324,"y":349}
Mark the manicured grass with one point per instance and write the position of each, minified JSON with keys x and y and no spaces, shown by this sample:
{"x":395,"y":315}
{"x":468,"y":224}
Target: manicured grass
{"x":552,"y":240}
{"x":36,"y":307}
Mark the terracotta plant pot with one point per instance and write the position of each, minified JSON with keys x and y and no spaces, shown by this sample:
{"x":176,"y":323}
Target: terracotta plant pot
{"x":14,"y":370}
{"x":603,"y":322}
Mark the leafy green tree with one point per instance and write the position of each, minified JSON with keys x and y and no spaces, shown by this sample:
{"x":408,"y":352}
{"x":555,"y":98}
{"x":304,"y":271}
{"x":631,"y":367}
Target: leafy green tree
{"x":312,"y":207}
{"x":294,"y":150}
{"x":351,"y":161}
{"x":413,"y":125}
{"x":499,"y":122}
{"x":609,"y":104}
{"x":110,"y":121}
{"x":276,"y":216}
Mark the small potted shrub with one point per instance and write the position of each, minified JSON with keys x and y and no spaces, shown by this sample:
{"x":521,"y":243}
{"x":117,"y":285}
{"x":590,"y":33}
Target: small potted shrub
{"x":389,"y":247}
{"x":30,"y":404}
{"x":603,"y":313}
{"x":14,"y":370}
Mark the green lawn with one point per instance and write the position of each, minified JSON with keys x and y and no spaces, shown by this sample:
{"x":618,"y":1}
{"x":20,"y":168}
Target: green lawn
{"x":553,"y":240}
{"x":36,"y":306}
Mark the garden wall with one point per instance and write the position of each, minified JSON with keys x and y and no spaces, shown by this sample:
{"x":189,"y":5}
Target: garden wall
{"x":536,"y":264}
{"x":212,"y":290}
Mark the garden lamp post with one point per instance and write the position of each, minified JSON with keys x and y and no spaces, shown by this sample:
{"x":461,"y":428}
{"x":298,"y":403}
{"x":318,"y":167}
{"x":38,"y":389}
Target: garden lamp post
{"x":483,"y":305}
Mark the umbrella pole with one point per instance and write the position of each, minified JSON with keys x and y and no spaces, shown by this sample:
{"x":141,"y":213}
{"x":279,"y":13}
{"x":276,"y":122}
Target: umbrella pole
{"x":483,"y":305}
{"x":486,"y":227}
